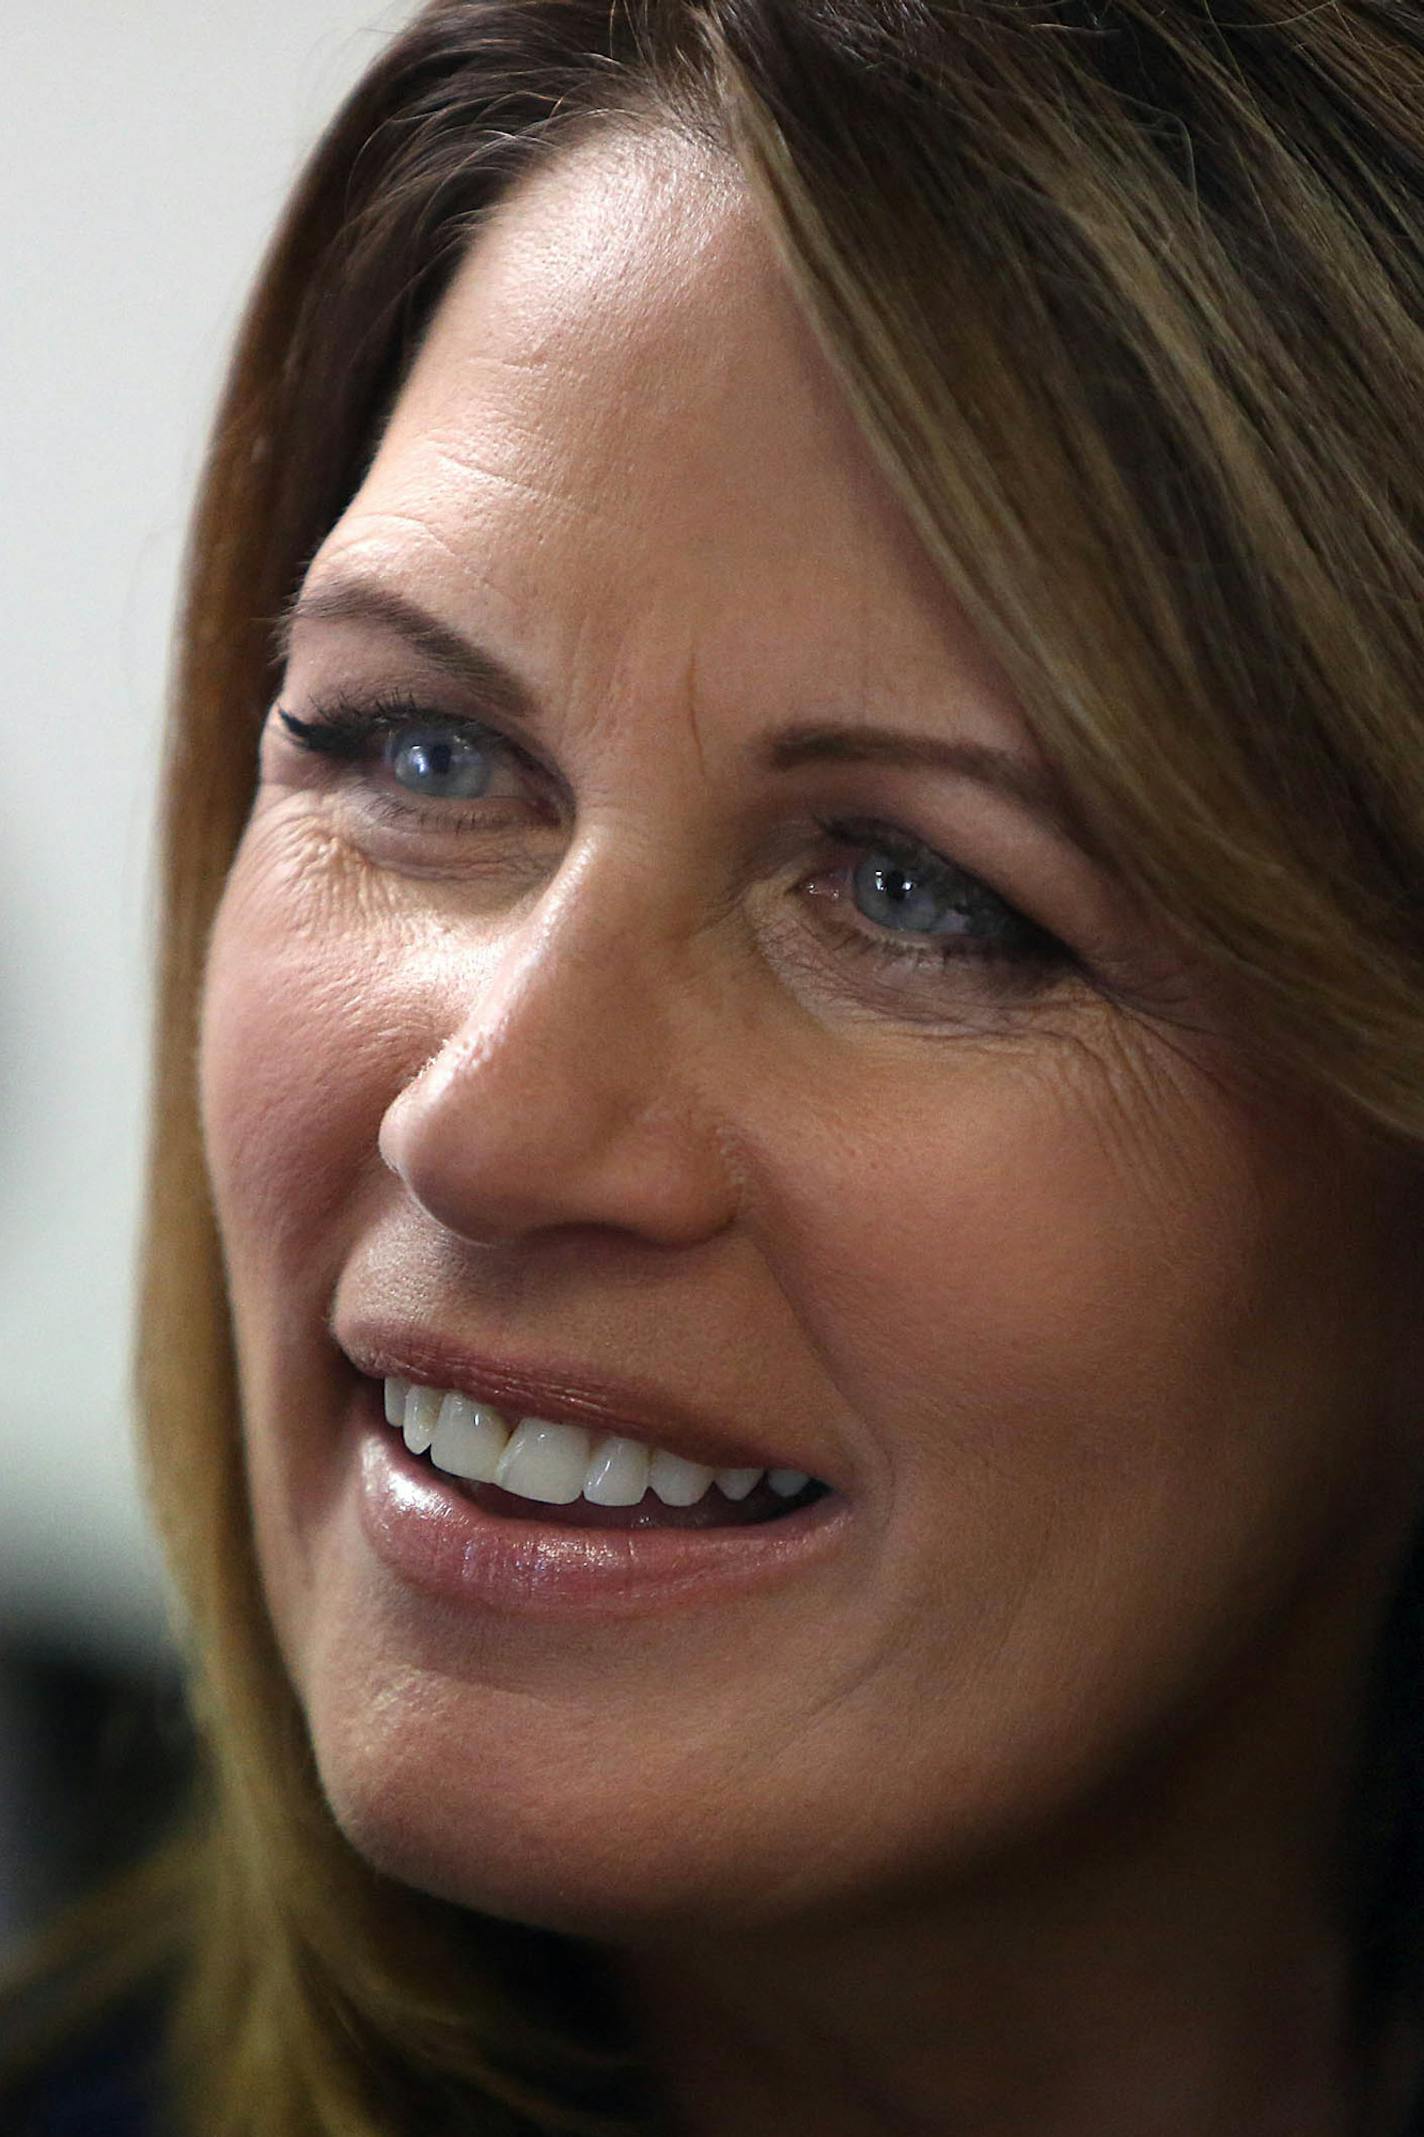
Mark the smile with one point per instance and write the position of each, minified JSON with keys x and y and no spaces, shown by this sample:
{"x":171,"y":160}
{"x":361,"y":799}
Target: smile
{"x":486,"y":1547}
{"x":594,"y":1479}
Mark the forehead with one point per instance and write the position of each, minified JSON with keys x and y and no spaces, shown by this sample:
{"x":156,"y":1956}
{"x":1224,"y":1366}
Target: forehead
{"x":621,"y":430}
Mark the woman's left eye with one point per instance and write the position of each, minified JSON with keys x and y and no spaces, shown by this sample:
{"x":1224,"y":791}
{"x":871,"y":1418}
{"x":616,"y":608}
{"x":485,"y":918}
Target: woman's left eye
{"x":924,"y":910}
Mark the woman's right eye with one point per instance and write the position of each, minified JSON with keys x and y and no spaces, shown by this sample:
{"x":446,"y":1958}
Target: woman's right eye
{"x":394,"y":744}
{"x":438,"y":763}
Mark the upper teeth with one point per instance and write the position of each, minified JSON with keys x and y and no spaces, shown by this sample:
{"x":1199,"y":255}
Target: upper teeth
{"x":558,"y":1463}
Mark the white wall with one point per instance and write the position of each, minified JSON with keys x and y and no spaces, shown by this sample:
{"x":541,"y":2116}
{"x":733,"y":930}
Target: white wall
{"x":146,"y":150}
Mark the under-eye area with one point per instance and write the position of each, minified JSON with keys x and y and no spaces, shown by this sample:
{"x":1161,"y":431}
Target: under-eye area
{"x":534,"y":1468}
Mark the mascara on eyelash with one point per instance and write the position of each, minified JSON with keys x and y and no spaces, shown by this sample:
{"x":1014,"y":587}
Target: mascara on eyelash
{"x":344,"y":727}
{"x":336,"y":738}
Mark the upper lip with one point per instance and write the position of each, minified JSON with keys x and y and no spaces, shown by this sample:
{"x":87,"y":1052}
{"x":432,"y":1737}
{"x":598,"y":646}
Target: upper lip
{"x":562,"y":1393}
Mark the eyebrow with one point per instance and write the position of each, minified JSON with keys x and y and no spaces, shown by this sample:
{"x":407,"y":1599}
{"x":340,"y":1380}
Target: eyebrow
{"x":348,"y":599}
{"x":353,"y":600}
{"x":998,"y":769}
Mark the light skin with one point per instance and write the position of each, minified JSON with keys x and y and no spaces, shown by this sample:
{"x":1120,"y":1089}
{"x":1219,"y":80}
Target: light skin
{"x":1016,"y":1811}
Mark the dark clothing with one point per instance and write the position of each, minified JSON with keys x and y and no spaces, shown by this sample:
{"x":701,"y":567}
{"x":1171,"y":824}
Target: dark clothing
{"x":103,"y":2088}
{"x":107,"y":2089}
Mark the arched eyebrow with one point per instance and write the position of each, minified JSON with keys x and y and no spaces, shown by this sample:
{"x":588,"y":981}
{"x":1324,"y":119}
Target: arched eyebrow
{"x":359,"y":600}
{"x":1001,"y":770}
{"x":507,"y":697}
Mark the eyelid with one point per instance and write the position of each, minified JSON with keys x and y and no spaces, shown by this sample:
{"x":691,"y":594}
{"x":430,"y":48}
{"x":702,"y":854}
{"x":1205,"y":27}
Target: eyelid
{"x":344,"y":721}
{"x":346,"y":732}
{"x":906,"y":846}
{"x":343,"y":726}
{"x":346,"y":727}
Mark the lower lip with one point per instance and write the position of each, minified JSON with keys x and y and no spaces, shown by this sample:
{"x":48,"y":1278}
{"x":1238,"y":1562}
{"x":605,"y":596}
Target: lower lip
{"x":435,"y":1538}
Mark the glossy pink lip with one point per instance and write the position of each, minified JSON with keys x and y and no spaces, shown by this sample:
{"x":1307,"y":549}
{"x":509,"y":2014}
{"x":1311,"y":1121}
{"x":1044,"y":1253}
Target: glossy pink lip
{"x":437,"y":1539}
{"x":562,"y":1394}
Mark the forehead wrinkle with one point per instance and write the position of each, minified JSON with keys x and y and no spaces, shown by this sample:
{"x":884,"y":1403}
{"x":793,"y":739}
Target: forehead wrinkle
{"x":477,"y":442}
{"x":400,"y":562}
{"x":552,"y":288}
{"x":459,"y":452}
{"x":641,"y":334}
{"x":838,"y":584}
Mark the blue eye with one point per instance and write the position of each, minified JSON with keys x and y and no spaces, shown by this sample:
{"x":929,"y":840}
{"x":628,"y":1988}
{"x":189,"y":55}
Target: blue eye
{"x":895,"y":898}
{"x":436,"y":759}
{"x":935,"y":909}
{"x":438,"y":762}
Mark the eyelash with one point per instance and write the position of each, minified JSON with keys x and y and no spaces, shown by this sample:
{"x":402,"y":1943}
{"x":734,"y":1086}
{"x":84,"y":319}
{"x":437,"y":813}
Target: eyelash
{"x":346,"y":729}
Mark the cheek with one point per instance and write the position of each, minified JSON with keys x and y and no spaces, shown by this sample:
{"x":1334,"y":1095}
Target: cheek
{"x":1083,"y":1310}
{"x":301,"y":1050}
{"x":1106,"y":1387}
{"x":302,"y":1047}
{"x":998,"y":1218}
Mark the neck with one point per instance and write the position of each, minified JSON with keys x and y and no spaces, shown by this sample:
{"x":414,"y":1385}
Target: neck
{"x":1151,"y":2011}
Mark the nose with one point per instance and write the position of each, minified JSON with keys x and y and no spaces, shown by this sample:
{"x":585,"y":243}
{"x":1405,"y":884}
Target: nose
{"x":563,"y":1097}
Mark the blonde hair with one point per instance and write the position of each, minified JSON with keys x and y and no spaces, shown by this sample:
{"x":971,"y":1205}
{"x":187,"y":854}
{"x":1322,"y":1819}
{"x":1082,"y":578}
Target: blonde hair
{"x":1130,"y":303}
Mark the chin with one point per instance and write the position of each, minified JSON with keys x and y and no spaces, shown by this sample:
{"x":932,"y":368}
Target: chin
{"x":599,"y":1880}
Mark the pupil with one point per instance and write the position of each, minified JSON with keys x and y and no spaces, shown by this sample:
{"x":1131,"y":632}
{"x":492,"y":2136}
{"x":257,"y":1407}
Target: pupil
{"x":895,"y":891}
{"x":438,"y":764}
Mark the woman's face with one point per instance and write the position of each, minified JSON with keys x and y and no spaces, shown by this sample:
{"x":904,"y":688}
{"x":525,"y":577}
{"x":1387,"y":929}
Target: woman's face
{"x":683,"y":1037}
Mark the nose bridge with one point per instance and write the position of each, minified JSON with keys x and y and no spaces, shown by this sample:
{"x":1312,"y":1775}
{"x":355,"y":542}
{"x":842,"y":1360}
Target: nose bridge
{"x":560,"y":1003}
{"x":565,"y":1094}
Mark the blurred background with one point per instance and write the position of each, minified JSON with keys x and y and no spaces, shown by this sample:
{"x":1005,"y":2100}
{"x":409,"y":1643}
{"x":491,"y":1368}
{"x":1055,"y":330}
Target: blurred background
{"x":147,"y":150}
